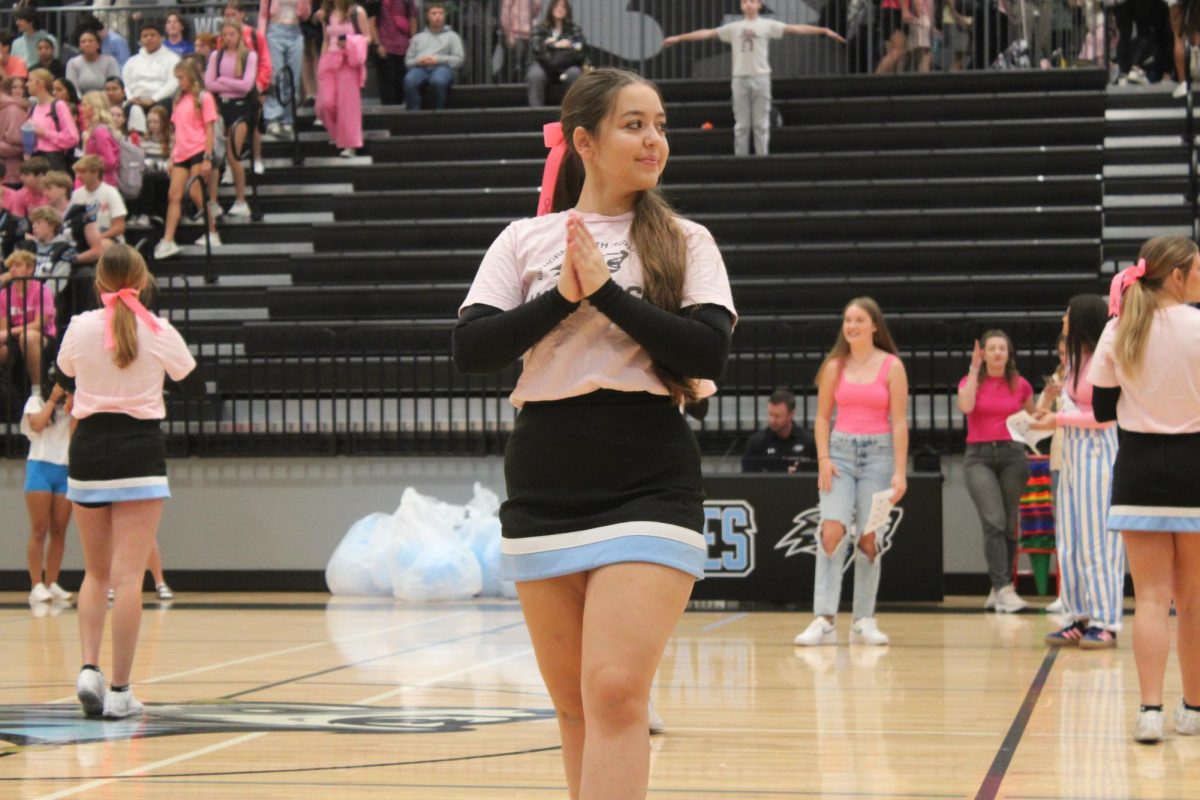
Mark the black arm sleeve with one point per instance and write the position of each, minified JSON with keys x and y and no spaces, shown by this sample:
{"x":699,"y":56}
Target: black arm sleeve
{"x":694,"y":342}
{"x":65,"y":381}
{"x":192,"y":385}
{"x":1104,"y":402}
{"x":487,"y":339}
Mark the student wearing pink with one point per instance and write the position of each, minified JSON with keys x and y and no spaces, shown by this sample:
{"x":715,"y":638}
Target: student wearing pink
{"x":52,"y":120}
{"x":1146,"y":374}
{"x":1091,"y":563}
{"x":230,"y":76}
{"x":115,"y":360}
{"x":194,"y":116}
{"x":621,"y":310}
{"x":995,"y":466}
{"x":341,"y":73}
{"x":865,"y":451}
{"x":26,"y":315}
{"x":99,"y":134}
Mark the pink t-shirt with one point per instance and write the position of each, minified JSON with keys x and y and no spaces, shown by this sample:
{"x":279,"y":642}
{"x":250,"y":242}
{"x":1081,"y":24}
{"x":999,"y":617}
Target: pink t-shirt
{"x":102,"y":387}
{"x":14,"y":312}
{"x":189,"y":126}
{"x":994,"y":403}
{"x":864,"y":409}
{"x":587,"y":351}
{"x":1083,"y":416}
{"x":1164,"y":396}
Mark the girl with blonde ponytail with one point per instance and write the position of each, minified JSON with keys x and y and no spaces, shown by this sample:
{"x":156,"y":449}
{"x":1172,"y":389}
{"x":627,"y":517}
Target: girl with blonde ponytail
{"x":623,"y":313}
{"x":1146,"y":374}
{"x":115,"y":360}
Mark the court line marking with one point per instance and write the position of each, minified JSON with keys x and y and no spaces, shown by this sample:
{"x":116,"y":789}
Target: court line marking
{"x":96,"y":783}
{"x":712,"y":626}
{"x":286,"y":651}
{"x":1008,"y":748}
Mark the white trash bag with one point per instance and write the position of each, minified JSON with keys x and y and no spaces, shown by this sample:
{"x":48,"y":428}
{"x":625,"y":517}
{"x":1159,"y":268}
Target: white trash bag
{"x":428,"y":561}
{"x":353,"y":567}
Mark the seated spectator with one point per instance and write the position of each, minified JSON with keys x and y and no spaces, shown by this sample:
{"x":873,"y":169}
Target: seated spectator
{"x":24,"y":46}
{"x":65,"y":91}
{"x":53,"y":122}
{"x":557,"y":45}
{"x":112,"y":43}
{"x":47,"y":60}
{"x":12,"y":116}
{"x":55,"y":255}
{"x":783,"y":439}
{"x":100,"y":137}
{"x":13,"y":66}
{"x":104,"y":206}
{"x":176,"y":40}
{"x":230,"y":76}
{"x":20,"y":202}
{"x":57,"y":188}
{"x":341,"y":74}
{"x":149,"y":77}
{"x":205,"y":43}
{"x":156,"y":145}
{"x":26,"y":315}
{"x":89,"y":70}
{"x":433,"y":56}
{"x":121,"y":124}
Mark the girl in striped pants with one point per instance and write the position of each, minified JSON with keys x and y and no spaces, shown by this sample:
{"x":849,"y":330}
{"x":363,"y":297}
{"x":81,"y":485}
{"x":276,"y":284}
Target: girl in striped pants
{"x":1091,"y":561}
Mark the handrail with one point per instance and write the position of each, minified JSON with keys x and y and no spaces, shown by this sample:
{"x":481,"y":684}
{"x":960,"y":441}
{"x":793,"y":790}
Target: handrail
{"x":210,"y":274}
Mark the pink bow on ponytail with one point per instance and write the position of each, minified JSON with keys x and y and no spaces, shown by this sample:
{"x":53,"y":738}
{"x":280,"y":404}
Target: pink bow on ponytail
{"x":552,"y":134}
{"x":1122,"y":281}
{"x":128,"y":296}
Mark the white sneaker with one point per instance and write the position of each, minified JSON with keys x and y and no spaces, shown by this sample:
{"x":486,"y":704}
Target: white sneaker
{"x":165,"y":249}
{"x":239,"y":209}
{"x":990,"y":603}
{"x":656,"y":722}
{"x":40,"y":594}
{"x":1008,"y":601}
{"x":227,"y":176}
{"x":1149,"y":727}
{"x":118,"y":705}
{"x":1056,"y":607}
{"x":164,"y":592}
{"x":289,"y":132}
{"x":89,"y":688}
{"x":214,"y":238}
{"x":819,"y":631}
{"x":58,"y":593}
{"x":214,"y":209}
{"x":1138,"y":76}
{"x":1180,"y":91}
{"x":866,"y":631}
{"x":112,"y":595}
{"x":348,"y":152}
{"x":1187,"y":722}
{"x":259,"y":167}
{"x":274,"y":128}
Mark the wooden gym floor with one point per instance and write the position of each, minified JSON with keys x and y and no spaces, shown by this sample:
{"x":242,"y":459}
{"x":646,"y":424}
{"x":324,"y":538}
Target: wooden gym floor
{"x":300,"y":696}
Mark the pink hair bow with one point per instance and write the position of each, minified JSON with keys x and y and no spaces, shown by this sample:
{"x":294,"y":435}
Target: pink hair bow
{"x":128,"y":296}
{"x":552,"y":134}
{"x":1122,"y":281}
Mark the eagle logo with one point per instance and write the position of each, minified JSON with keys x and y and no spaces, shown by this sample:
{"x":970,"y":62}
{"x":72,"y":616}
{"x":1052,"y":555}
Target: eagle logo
{"x":806,"y":526}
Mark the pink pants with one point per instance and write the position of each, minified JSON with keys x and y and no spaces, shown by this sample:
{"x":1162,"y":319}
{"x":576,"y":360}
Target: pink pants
{"x":339,"y":99}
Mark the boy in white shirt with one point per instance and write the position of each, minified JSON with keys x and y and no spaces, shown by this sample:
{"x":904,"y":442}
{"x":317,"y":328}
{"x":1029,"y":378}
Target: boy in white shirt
{"x":750,"y":37}
{"x":104,"y":205}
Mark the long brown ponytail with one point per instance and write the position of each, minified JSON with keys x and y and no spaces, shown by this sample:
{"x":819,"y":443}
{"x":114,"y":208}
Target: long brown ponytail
{"x":655,"y":234}
{"x":1163,"y":255}
{"x":120,"y":267}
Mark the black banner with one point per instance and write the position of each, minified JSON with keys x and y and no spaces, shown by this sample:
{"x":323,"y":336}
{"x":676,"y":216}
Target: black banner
{"x":762,"y":539}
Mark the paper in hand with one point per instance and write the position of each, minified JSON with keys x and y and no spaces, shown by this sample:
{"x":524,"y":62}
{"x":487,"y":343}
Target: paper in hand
{"x":881,"y":508}
{"x":1020,"y":428}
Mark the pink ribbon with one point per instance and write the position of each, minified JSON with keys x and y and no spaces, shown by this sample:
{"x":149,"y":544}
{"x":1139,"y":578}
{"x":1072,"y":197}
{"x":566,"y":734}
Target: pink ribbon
{"x":128,"y":296}
{"x":552,"y":134}
{"x":1122,"y":281}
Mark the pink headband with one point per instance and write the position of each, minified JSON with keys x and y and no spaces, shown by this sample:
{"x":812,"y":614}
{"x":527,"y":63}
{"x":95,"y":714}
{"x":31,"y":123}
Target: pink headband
{"x":128,"y":296}
{"x":1122,"y":281}
{"x":552,"y":134}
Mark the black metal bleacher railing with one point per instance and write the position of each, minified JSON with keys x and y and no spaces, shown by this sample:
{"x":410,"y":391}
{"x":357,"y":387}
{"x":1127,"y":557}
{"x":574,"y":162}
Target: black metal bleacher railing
{"x":391,"y":388}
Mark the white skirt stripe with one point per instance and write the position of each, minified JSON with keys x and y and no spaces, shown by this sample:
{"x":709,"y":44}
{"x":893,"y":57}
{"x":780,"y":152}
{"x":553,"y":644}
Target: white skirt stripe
{"x":1155,"y":511}
{"x":119,"y":483}
{"x":561,"y":541}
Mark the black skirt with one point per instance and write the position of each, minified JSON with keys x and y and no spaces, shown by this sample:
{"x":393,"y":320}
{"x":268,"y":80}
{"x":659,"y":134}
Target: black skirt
{"x":604,"y":478}
{"x":1154,"y":483}
{"x":116,"y":457}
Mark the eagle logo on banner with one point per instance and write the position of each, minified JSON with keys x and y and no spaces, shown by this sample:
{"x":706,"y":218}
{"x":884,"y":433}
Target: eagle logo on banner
{"x":806,"y":527}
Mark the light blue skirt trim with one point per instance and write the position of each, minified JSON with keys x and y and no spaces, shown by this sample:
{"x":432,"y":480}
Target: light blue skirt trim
{"x":1131,"y":522}
{"x":154,"y":492}
{"x":625,"y":549}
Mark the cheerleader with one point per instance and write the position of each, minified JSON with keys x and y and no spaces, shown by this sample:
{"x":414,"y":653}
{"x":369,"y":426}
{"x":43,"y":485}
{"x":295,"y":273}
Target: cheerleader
{"x":1146,"y":374}
{"x":619,"y":307}
{"x":46,"y":422}
{"x":114,"y":360}
{"x":1091,"y":562}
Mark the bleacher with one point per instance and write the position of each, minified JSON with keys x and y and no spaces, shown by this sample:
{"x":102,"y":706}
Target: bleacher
{"x":959,"y":201}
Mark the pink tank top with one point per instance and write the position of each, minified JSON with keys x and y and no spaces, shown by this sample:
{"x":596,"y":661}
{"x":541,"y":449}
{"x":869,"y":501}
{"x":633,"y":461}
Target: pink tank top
{"x":863,"y":408}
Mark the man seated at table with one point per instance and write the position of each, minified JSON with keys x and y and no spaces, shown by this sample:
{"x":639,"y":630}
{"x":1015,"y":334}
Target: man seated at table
{"x":783,"y":443}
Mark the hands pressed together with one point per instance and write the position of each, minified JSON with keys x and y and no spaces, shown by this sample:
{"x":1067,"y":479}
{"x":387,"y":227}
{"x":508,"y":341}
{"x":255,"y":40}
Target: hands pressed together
{"x":583,"y":267}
